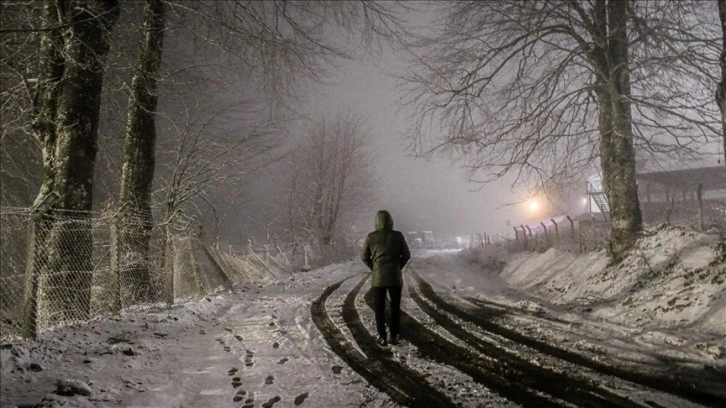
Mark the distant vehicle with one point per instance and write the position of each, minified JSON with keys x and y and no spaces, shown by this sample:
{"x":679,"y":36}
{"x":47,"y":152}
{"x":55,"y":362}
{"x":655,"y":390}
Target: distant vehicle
{"x":419,"y":240}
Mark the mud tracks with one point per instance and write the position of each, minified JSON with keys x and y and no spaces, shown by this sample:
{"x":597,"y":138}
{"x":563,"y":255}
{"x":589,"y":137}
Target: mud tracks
{"x":442,"y":336}
{"x":676,"y":382}
{"x":376,"y":367}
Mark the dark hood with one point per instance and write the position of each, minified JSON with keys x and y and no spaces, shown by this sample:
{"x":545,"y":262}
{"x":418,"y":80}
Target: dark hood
{"x":383,"y":220}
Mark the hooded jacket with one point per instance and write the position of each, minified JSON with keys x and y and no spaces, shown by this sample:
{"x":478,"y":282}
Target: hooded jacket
{"x":385,"y":252}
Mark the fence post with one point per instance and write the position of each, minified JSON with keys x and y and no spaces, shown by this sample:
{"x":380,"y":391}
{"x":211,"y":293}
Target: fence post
{"x":306,"y":258}
{"x":572,"y":230}
{"x":167,"y":268}
{"x":572,"y":226}
{"x":669,"y":210}
{"x":524,"y":235}
{"x":516,"y":234}
{"x":699,"y":197}
{"x":547,"y":238}
{"x":115,"y":290}
{"x":40,"y":224}
{"x":557,"y":229}
{"x":29,"y":328}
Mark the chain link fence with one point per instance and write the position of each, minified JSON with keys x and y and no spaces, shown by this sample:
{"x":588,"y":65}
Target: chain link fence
{"x":14,"y":225}
{"x":64,"y":267}
{"x":57,"y":268}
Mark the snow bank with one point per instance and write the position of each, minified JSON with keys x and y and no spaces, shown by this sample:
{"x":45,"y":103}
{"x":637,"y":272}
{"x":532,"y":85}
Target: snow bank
{"x":674,"y":277}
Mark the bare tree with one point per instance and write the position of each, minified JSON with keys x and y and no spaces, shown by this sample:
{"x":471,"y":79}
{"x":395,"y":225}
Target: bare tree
{"x":132,"y":232}
{"x":721,"y":91}
{"x":329,"y":180}
{"x":66,"y":107}
{"x":206,"y":154}
{"x":543,"y":89}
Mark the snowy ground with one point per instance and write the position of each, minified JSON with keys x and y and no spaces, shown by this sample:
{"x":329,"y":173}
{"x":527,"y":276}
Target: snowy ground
{"x":252,"y":347}
{"x":259,"y":347}
{"x":669,"y":295}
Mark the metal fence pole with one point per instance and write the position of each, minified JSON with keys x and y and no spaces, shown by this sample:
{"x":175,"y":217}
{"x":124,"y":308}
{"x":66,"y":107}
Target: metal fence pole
{"x":699,"y":196}
{"x":572,"y":230}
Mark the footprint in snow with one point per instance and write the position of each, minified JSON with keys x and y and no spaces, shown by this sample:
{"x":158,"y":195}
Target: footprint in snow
{"x":238,"y":337}
{"x":249,"y":402}
{"x":336,"y":369}
{"x":301,"y":398}
{"x":248,"y":358}
{"x":236,"y":382}
{"x":271,"y":402}
{"x":283,"y":360}
{"x":269,"y":379}
{"x":239,"y":396}
{"x":232,"y":371}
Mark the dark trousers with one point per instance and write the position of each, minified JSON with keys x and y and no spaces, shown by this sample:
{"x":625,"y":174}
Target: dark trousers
{"x":379,"y":306}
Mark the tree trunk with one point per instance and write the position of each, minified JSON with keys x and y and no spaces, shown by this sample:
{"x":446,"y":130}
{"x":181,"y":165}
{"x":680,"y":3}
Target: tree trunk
{"x":133,"y":226}
{"x":626,"y":220}
{"x":65,"y":282}
{"x":721,"y":91}
{"x":50,"y":72}
{"x":617,"y":155}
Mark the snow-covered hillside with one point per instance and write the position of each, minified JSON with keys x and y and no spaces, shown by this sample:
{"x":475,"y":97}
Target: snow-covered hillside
{"x":672,"y":287}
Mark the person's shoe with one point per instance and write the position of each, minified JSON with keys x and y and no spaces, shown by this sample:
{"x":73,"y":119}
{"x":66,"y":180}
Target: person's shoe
{"x":381,"y":342}
{"x":394,"y":340}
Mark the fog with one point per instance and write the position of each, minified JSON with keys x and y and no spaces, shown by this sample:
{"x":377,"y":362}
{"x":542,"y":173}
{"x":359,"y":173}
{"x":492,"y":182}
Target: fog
{"x":421,"y":194}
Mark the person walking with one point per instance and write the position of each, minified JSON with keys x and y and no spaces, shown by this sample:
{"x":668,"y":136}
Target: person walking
{"x":386,"y":252}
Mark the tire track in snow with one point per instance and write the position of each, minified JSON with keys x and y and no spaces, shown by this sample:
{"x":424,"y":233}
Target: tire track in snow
{"x":675,"y":386}
{"x":402,"y":385}
{"x":517,"y":371}
{"x":484,"y":370}
{"x":499,"y":368}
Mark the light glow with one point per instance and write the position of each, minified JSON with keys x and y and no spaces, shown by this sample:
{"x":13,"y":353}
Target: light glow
{"x":533,"y":205}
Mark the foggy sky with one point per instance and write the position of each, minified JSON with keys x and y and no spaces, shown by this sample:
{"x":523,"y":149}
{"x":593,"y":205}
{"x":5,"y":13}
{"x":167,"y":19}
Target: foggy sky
{"x":421,"y":195}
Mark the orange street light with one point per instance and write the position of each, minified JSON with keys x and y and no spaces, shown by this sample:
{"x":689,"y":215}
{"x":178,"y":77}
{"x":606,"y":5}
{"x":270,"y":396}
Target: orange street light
{"x":533,"y":205}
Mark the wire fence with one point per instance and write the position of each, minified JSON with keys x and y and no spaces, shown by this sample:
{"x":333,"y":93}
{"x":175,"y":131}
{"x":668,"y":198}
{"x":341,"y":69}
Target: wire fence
{"x":561,"y":232}
{"x":64,"y":267}
{"x":584,"y":234}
